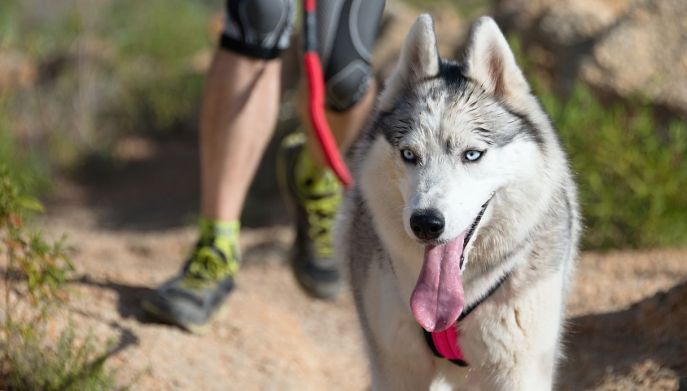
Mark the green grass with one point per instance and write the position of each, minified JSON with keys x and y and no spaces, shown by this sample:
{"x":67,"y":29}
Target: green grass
{"x":631,"y":170}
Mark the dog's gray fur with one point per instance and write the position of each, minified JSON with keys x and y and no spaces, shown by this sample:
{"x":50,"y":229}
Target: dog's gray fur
{"x":529,"y":231}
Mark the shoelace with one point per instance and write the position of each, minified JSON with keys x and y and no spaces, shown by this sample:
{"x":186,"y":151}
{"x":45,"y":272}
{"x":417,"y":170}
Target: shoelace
{"x":320,"y":201}
{"x":210,"y":263}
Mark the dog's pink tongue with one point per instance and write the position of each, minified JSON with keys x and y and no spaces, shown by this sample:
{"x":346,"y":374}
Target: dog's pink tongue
{"x":437,"y":299}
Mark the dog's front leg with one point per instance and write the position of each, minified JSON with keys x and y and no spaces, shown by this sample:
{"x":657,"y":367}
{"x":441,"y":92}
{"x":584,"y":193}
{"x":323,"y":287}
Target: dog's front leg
{"x":401,"y":373}
{"x":399,"y":357}
{"x":513,"y":344}
{"x":518,"y":371}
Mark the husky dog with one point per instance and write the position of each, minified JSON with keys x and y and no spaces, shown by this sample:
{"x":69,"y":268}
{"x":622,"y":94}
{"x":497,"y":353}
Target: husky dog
{"x":464,"y":217}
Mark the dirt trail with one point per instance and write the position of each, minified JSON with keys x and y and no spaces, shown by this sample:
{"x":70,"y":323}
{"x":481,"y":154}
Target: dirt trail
{"x":128,"y":234}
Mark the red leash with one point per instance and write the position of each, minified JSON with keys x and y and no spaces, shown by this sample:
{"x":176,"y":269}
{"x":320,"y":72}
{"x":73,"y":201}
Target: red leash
{"x":313,"y":72}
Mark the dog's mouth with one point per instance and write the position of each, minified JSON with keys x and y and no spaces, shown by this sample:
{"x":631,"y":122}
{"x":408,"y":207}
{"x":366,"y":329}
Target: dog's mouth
{"x":438,"y":298}
{"x":473,"y":227}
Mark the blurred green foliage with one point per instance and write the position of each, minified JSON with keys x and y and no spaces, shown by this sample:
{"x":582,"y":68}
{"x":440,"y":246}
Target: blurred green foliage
{"x":105,"y":69}
{"x":156,"y":42}
{"x":630,"y":165}
{"x":110,"y":68}
{"x":26,"y":168}
{"x":631,"y":170}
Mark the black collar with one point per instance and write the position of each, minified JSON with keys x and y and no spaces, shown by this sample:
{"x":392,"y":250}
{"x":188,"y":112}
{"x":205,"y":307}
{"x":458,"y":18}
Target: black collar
{"x":467,"y":310}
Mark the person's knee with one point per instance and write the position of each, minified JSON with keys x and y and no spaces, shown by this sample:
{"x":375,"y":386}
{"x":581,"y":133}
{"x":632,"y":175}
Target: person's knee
{"x":347,"y":52}
{"x":258,"y":28}
{"x":346,"y":87}
{"x":264,"y":18}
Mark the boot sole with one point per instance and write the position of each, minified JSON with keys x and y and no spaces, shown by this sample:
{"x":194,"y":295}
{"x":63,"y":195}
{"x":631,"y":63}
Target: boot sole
{"x":193,"y":328}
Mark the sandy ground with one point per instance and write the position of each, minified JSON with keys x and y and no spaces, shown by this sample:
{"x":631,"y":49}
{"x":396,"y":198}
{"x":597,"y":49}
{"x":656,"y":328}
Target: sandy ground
{"x":130,"y":231}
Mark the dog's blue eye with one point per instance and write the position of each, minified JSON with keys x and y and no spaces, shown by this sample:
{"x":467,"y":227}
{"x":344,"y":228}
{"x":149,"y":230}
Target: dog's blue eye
{"x":408,"y":155}
{"x":472,"y":155}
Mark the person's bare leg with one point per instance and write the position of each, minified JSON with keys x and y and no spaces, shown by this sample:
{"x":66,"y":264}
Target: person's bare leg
{"x":345,"y":126}
{"x":238,"y":115}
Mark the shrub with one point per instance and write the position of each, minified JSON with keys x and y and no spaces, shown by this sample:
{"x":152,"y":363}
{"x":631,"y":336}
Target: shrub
{"x":33,"y":288}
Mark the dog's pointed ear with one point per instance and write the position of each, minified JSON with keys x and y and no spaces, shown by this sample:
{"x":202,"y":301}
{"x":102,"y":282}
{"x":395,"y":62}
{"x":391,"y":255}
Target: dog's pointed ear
{"x":419,"y":59}
{"x":420,"y":54}
{"x":490,"y":62}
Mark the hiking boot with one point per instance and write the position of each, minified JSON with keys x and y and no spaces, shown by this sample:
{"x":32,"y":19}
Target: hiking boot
{"x":314,"y":196}
{"x":190,"y":299}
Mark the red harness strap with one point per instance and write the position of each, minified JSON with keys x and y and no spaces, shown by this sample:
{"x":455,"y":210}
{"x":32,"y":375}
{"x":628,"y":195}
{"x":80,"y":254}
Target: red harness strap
{"x":444,"y":344}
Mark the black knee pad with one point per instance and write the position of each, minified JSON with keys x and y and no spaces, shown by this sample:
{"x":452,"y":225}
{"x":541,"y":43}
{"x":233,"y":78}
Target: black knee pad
{"x":347,"y":31}
{"x":258,"y":28}
{"x":348,"y":85}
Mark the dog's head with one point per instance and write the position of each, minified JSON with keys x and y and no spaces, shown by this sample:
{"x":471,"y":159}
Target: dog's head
{"x":454,"y":130}
{"x":453,"y":137}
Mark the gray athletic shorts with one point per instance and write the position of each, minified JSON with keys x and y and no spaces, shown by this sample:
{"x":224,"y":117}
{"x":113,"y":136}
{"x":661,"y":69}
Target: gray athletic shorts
{"x":347,"y":30}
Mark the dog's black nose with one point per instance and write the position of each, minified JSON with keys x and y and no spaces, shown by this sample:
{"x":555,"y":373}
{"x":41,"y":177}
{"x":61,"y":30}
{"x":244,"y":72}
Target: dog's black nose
{"x":427,"y":224}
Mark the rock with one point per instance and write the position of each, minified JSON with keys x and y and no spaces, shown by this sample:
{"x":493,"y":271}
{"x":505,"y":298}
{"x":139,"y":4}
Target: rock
{"x":628,"y":48}
{"x":559,"y":22}
{"x":644,"y":54}
{"x":573,"y":22}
